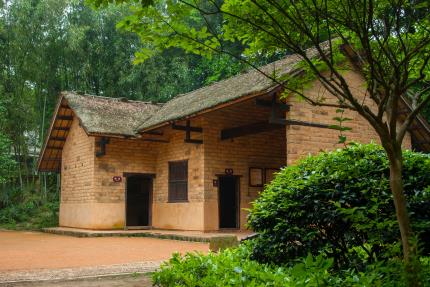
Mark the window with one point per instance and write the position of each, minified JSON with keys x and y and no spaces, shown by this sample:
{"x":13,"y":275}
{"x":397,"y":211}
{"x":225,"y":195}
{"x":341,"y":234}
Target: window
{"x":178,"y":181}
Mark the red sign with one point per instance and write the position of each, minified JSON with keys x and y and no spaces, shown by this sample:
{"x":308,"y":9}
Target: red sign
{"x":117,"y":179}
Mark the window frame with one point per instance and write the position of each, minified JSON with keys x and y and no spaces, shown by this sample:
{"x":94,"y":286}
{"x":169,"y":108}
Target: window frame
{"x":171,"y":196}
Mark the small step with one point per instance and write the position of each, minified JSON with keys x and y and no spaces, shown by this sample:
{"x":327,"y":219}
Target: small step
{"x":212,"y":238}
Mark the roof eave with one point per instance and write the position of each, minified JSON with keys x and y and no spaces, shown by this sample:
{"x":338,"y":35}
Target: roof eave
{"x":274,"y":88}
{"x":54,"y":116}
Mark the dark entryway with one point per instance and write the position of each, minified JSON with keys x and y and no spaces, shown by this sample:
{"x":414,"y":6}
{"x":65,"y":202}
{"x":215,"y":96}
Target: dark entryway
{"x":139,"y":199}
{"x":228,"y":200}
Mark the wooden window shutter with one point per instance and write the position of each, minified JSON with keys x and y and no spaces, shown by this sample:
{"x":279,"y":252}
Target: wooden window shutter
{"x":178,"y":181}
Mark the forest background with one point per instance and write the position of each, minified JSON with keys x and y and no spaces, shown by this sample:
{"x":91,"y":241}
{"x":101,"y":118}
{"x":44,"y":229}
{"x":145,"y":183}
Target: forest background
{"x":48,"y":46}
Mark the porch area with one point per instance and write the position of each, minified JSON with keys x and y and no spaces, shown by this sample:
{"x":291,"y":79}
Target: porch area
{"x":181,"y":235}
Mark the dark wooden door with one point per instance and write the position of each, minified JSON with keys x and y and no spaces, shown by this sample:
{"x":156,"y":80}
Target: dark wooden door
{"x":139,"y":189}
{"x":228,"y":202}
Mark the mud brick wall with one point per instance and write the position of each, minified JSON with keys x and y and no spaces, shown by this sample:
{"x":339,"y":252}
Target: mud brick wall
{"x":122,"y":156}
{"x":179,"y":215}
{"x":302,"y":141}
{"x":77,"y":168}
{"x":262,"y":150}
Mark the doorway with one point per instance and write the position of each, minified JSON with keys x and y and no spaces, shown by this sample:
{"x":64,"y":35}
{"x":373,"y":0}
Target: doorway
{"x":138,"y":200}
{"x":228,"y":202}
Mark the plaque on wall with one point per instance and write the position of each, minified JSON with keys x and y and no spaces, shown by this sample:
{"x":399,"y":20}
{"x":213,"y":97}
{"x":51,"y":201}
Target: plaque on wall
{"x":255,"y":176}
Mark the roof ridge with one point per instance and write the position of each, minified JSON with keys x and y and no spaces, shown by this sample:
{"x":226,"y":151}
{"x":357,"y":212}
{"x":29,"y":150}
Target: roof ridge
{"x":248,"y":71}
{"x":117,"y":99}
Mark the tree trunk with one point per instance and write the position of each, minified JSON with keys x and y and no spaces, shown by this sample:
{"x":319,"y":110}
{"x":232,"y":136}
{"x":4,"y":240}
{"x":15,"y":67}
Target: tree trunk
{"x":396,"y":185}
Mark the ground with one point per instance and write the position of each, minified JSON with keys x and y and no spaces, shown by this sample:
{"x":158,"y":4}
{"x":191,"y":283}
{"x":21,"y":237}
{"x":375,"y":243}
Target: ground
{"x":109,"y":281}
{"x":35,"y":256}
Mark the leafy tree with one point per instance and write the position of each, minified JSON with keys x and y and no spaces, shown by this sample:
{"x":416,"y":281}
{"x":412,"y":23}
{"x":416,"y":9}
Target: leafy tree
{"x":7,"y":163}
{"x":390,"y":40}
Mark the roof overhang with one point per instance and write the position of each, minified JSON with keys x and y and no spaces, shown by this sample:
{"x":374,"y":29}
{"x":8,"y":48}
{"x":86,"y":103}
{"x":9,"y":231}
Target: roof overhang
{"x":269,"y":91}
{"x":50,"y":155}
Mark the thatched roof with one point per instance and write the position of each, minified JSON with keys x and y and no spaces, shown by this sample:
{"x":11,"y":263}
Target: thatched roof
{"x":97,"y":115}
{"x":246,"y":84}
{"x":109,"y":116}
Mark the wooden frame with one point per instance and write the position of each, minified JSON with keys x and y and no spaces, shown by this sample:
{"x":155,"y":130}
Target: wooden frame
{"x":271,"y":171}
{"x":188,"y":129}
{"x":237,"y":177}
{"x":169,"y":197}
{"x":150,"y":176}
{"x":256,"y":176}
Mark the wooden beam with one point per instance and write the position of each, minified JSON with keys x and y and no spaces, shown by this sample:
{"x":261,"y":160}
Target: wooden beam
{"x":61,"y":128}
{"x":193,"y":141}
{"x":54,"y":147}
{"x":156,"y":140}
{"x":155,"y":133}
{"x":307,"y":124}
{"x":66,"y":118}
{"x":102,"y":144}
{"x":260,"y":127}
{"x":187,"y":128}
{"x":188,"y":135}
{"x":250,"y":129}
{"x":59,"y":139}
{"x":52,"y":159}
{"x":270,"y":104}
{"x":299,"y":123}
{"x":57,"y":169}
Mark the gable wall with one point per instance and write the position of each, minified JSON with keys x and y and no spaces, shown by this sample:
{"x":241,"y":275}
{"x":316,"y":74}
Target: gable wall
{"x":302,"y":140}
{"x":77,"y":180}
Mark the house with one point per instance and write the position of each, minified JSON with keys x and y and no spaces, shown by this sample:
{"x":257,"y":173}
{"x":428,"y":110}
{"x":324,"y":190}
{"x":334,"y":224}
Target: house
{"x":195,"y":162}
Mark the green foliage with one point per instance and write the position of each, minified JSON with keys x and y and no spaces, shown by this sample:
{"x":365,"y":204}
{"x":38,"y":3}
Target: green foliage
{"x":7,"y":163}
{"x":339,"y":203}
{"x":28,"y":208}
{"x":270,"y":28}
{"x":234,"y":267}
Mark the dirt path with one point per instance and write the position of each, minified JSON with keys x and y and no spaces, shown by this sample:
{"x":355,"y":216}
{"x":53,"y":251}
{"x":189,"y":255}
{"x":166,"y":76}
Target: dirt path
{"x":35,"y":256}
{"x":35,"y":250}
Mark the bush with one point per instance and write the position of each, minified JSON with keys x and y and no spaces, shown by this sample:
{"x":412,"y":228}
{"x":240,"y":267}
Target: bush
{"x":339,"y":203}
{"x":235,"y":268}
{"x":232,"y":267}
{"x":28,"y":209}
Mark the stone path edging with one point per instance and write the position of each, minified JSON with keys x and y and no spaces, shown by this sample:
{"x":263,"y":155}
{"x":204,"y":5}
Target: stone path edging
{"x":81,"y":272}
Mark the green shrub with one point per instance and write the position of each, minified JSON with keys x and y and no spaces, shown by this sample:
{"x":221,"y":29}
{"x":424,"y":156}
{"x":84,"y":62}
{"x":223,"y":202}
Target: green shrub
{"x":233,"y":267}
{"x":339,"y":203}
{"x":29,"y":209}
